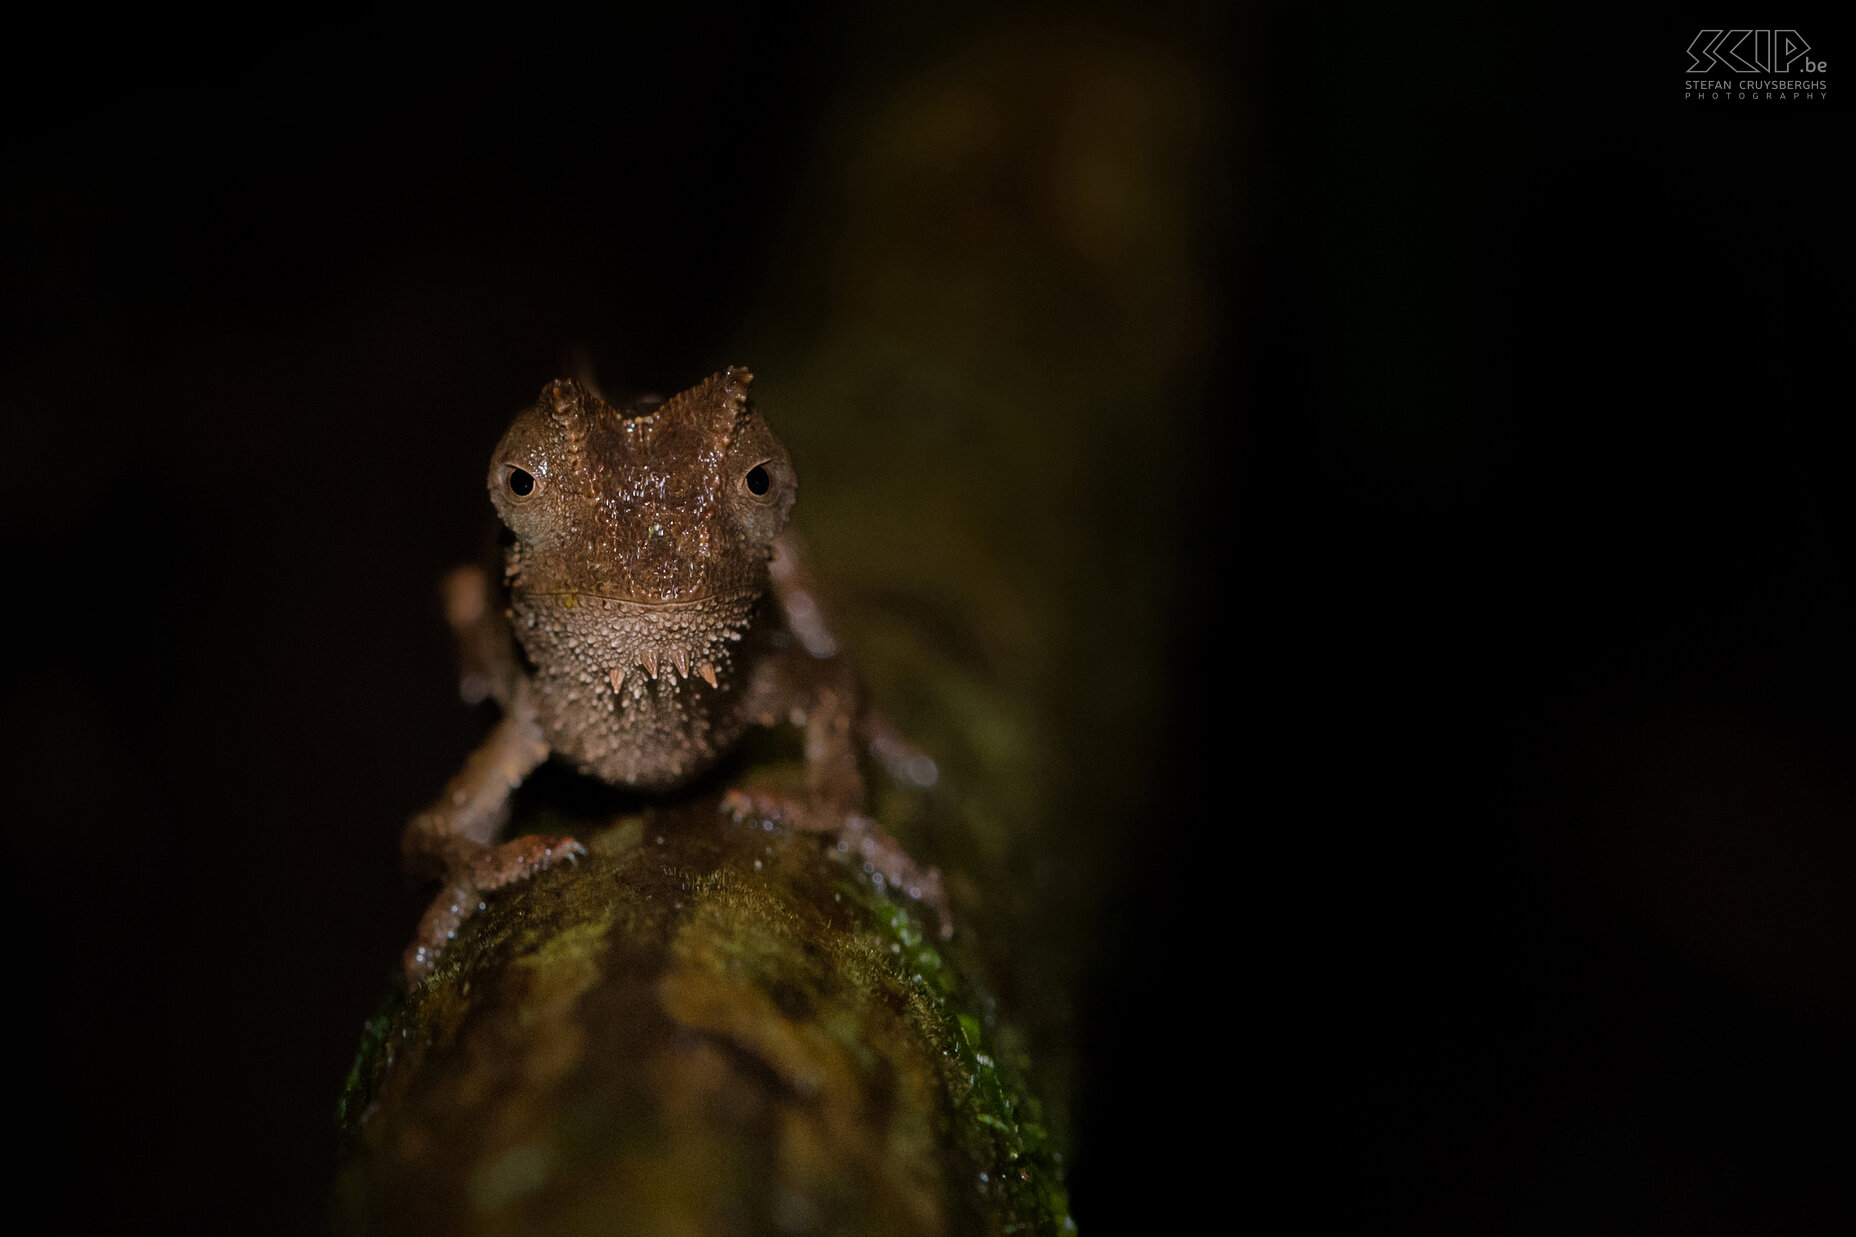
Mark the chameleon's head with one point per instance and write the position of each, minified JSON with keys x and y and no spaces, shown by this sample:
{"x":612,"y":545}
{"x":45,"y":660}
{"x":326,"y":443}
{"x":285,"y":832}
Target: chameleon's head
{"x":664,"y":503}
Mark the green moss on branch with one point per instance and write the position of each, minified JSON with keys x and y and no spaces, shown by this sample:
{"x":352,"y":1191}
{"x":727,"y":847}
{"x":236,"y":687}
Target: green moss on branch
{"x":709,"y":1025}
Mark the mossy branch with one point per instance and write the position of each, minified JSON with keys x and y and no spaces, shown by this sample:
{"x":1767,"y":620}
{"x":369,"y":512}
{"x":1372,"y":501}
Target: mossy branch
{"x":708,"y":1025}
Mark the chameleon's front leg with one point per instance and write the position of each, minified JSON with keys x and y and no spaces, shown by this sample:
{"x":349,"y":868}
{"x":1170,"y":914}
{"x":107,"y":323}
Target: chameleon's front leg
{"x":835,"y":793}
{"x":453,"y":838}
{"x":815,"y":687}
{"x":803,"y":614}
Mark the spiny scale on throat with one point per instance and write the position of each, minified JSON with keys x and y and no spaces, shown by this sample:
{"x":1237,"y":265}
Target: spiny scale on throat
{"x":638,"y":695}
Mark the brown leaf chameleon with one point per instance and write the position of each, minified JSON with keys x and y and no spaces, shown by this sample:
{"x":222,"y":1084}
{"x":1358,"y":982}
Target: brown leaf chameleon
{"x":656,"y":608}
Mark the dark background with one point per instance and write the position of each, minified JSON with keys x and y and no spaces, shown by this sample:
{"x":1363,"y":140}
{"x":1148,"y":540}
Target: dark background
{"x":1498,"y":874}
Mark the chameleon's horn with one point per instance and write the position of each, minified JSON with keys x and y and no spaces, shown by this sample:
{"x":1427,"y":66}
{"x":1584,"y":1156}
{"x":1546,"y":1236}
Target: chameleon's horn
{"x":566,"y":404}
{"x":735,"y":382}
{"x":726,"y":392}
{"x":717,"y":402}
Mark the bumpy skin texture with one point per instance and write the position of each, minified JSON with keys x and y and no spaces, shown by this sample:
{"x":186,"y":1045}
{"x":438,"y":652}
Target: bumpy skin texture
{"x":639,"y":568}
{"x":661,"y":611}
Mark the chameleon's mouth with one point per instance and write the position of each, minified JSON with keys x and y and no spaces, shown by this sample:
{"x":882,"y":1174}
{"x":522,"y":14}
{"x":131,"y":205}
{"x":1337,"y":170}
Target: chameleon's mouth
{"x":570,"y":598}
{"x":627,"y":641}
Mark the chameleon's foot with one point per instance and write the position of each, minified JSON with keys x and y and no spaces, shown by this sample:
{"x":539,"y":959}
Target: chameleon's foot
{"x":520,"y":858}
{"x":438,"y":925}
{"x":742,"y":804}
{"x":882,"y":857}
{"x":490,"y":868}
{"x":886,"y":861}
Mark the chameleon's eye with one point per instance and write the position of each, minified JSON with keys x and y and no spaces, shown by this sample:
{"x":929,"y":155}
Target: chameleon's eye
{"x":517,"y":481}
{"x":763,"y":494}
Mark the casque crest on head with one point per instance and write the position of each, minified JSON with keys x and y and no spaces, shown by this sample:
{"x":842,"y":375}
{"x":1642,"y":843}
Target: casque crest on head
{"x":714,"y":408}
